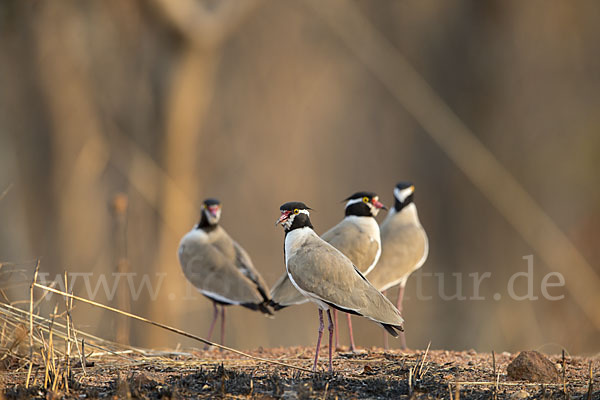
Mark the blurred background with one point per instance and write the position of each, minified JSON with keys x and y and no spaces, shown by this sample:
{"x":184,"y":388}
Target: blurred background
{"x":118,"y":117}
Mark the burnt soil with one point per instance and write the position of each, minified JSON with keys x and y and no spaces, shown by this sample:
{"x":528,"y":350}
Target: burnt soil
{"x":374,"y":374}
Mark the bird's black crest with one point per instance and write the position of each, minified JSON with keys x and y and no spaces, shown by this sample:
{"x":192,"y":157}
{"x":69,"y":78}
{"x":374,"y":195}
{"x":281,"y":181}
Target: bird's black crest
{"x":290,"y":206}
{"x":404,"y":185}
{"x":360,"y":195}
{"x":211,"y":202}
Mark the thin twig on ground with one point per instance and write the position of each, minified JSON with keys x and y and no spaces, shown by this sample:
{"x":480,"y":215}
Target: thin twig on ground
{"x":171,"y":329}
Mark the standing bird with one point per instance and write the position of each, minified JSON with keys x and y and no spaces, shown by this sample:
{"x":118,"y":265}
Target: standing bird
{"x":220,"y":268}
{"x":357,"y":236}
{"x":405,"y":246}
{"x":328,"y":278}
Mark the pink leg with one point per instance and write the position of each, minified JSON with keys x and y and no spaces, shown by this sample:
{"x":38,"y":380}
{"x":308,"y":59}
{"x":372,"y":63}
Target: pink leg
{"x":330,"y":339}
{"x":399,"y":307}
{"x":212,"y":324}
{"x":352,"y":346}
{"x":337,"y":334}
{"x":321,"y":326}
{"x":223,"y":325}
{"x":386,"y":341}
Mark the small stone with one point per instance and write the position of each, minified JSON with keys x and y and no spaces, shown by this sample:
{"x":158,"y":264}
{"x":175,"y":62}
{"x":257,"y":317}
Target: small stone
{"x":521,"y":394}
{"x":290,"y":395}
{"x":505,"y":354}
{"x":368,"y":370}
{"x":558,"y":366}
{"x":532,"y":366}
{"x":140,"y":380}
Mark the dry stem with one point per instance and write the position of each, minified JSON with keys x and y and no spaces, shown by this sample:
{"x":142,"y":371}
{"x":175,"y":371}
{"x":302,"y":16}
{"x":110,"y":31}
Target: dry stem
{"x":171,"y":329}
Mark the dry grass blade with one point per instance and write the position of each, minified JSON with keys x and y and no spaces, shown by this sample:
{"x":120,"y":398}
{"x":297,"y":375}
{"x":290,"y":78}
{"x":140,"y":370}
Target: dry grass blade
{"x":564,"y":373}
{"x":170,"y":328}
{"x":52,"y":359}
{"x":495,"y":391}
{"x":68,"y":338}
{"x":14,"y":316}
{"x":410,"y":386}
{"x":420,"y":374}
{"x":33,"y":283}
{"x":325,"y":391}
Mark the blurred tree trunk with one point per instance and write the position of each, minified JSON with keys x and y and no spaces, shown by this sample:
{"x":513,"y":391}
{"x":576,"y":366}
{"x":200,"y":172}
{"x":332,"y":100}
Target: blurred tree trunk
{"x":79,"y":151}
{"x":189,"y":99}
{"x":191,"y":91}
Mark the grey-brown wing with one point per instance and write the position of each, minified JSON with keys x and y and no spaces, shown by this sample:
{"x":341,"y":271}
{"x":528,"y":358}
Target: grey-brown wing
{"x":328,"y":275}
{"x":285,"y":294}
{"x":354,"y":242}
{"x":209,"y":270}
{"x":404,"y":249}
{"x":244,"y":263}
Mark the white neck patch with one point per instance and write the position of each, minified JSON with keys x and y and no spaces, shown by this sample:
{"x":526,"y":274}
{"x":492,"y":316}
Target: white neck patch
{"x":402,"y":195}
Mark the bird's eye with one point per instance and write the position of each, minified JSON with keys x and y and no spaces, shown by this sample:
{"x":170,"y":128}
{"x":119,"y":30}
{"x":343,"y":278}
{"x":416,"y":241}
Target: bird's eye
{"x":366,"y":199}
{"x":296,"y":211}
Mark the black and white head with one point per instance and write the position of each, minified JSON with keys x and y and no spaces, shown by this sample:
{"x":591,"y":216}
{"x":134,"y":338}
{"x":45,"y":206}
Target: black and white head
{"x":211,"y":214}
{"x":363,"y":204}
{"x":403,"y":194}
{"x":294,"y":215}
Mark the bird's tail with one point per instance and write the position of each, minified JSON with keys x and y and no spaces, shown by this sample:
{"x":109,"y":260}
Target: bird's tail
{"x":262,"y":307}
{"x":276,"y":306}
{"x":392,"y":329}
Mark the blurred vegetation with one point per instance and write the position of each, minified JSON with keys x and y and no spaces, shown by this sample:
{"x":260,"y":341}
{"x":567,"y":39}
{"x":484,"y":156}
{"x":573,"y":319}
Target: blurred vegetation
{"x":118,"y":117}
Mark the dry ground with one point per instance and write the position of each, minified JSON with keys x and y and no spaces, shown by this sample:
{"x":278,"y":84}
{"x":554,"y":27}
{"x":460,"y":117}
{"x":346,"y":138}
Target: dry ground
{"x":374,"y":374}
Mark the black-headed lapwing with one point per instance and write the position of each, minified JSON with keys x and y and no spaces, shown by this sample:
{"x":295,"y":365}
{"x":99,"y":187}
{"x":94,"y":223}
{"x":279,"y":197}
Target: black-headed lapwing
{"x":357,"y":236}
{"x":325,"y":276}
{"x":220,"y":268}
{"x":405,"y":245}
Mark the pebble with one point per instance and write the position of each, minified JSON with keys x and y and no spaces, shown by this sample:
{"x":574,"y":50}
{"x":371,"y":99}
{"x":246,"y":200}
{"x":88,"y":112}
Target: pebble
{"x":521,"y":394}
{"x":289,"y":395}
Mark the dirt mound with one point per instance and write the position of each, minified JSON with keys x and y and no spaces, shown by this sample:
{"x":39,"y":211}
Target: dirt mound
{"x":533,"y":367}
